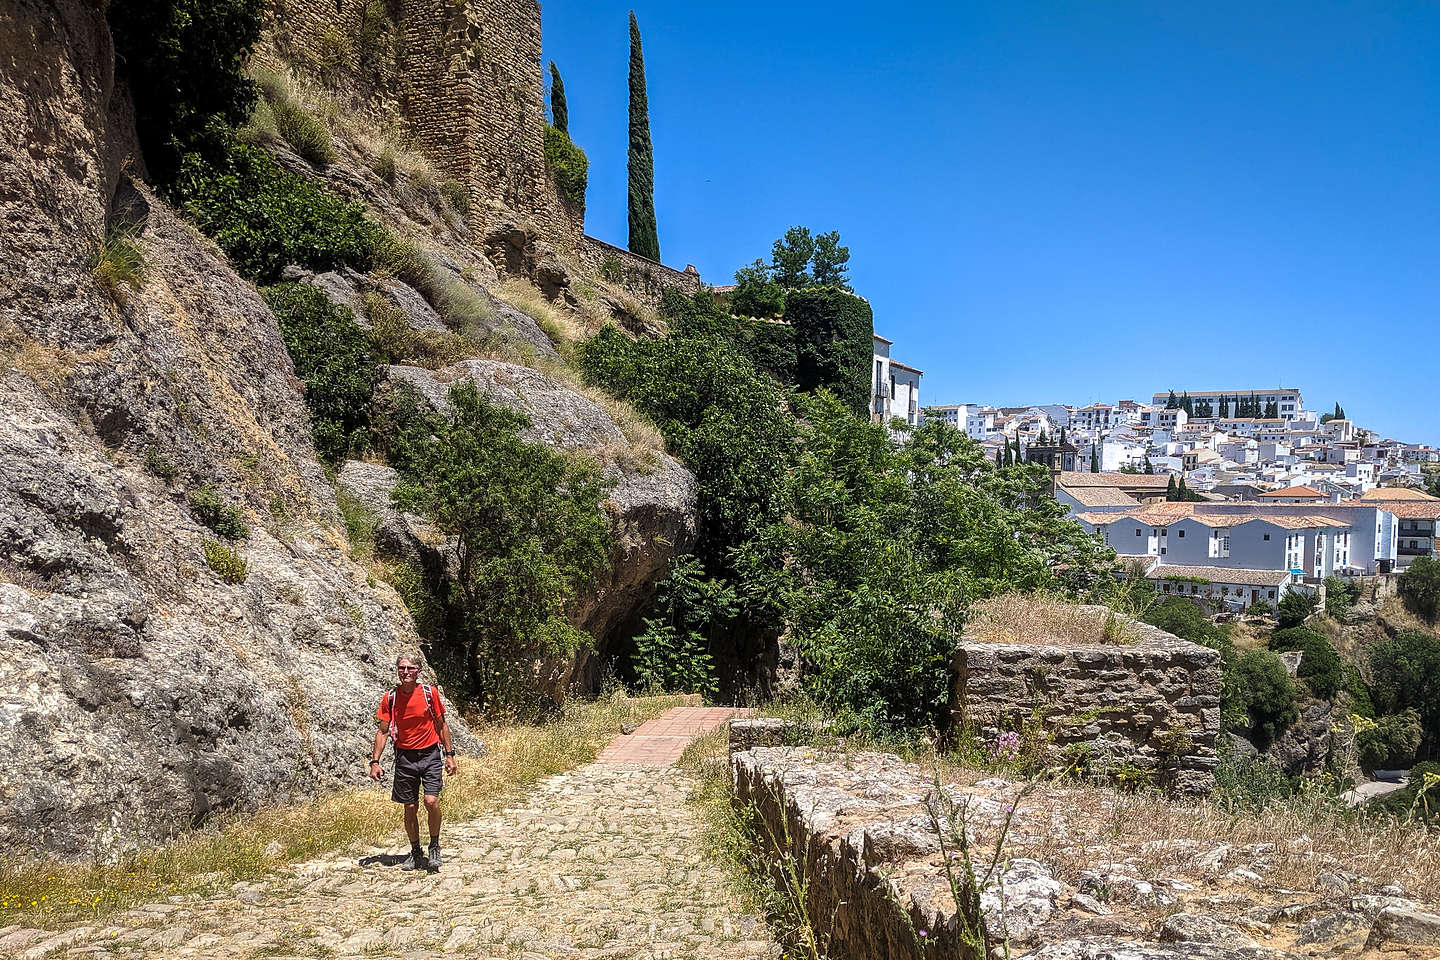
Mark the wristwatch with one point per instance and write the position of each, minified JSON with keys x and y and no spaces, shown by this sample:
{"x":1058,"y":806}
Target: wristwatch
{"x":374,"y":761}
{"x":449,"y":753}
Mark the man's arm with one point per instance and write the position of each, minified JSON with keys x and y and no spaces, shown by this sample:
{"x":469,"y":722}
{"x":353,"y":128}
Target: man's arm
{"x":450,"y":765}
{"x":376,"y":771}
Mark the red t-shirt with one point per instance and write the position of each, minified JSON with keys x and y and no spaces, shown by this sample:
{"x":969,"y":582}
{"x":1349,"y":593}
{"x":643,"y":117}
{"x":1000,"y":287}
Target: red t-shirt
{"x":414,"y":730}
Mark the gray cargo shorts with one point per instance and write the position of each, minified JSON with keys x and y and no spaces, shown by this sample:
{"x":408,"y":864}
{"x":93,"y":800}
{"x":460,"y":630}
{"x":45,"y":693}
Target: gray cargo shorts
{"x":414,"y":767}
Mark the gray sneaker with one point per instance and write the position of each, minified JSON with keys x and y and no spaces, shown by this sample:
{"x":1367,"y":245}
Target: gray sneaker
{"x":434,"y":856}
{"x":414,"y":861}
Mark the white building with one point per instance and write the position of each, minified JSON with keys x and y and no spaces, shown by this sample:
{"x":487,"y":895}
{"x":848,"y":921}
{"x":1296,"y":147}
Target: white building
{"x":1286,"y":399}
{"x":894,"y":387}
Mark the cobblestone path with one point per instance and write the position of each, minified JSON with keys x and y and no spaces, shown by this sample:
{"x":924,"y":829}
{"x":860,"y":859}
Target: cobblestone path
{"x":607,"y":861}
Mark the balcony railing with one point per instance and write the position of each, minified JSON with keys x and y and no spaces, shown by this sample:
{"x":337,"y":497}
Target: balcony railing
{"x":1414,"y":551}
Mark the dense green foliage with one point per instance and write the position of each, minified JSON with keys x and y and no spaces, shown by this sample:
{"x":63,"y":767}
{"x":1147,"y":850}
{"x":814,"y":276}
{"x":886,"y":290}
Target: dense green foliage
{"x":644,"y":235}
{"x":757,"y":293}
{"x":527,"y":533}
{"x":771,"y":347}
{"x":1340,"y":596}
{"x":207,"y":506}
{"x":1389,"y":743}
{"x":1263,"y":692}
{"x":1320,"y":666}
{"x":336,"y":361}
{"x":1420,"y":587}
{"x":831,"y":263}
{"x":834,"y":343}
{"x":1295,"y":607}
{"x":1181,"y":617}
{"x":306,"y":135}
{"x":559,"y":109}
{"x":864,"y":551}
{"x":790,"y":258}
{"x":568,"y":165}
{"x":184,"y":63}
{"x":228,"y":565}
{"x":265,"y":218}
{"x":1404,"y":674}
{"x":726,"y":421}
{"x":672,"y":652}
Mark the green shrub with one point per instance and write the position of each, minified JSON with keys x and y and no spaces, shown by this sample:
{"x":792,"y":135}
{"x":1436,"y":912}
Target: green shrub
{"x":1405,"y":674}
{"x":118,"y":262}
{"x":1420,"y":587}
{"x":568,"y":165}
{"x":1295,"y":608}
{"x":183,"y":61}
{"x":1320,"y":666}
{"x":672,"y":651}
{"x":402,"y":422}
{"x":457,"y":196}
{"x":377,"y":34}
{"x":160,"y":465}
{"x":1182,"y":618}
{"x":306,"y":135}
{"x":261,"y":127}
{"x":527,"y":531}
{"x":1361,"y":703}
{"x":834,"y":343}
{"x":1262,"y":689}
{"x":757,"y":294}
{"x":1389,"y":743}
{"x":771,"y":347}
{"x":404,"y":261}
{"x":336,"y":361}
{"x":207,"y":507}
{"x":384,"y":165}
{"x":394,"y":340}
{"x":265,"y":218}
{"x":612,"y":269}
{"x":227,"y":564}
{"x":463,"y":308}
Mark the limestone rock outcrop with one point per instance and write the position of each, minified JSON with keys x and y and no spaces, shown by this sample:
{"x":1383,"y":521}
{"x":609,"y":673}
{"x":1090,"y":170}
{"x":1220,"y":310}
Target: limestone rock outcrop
{"x":140,"y":692}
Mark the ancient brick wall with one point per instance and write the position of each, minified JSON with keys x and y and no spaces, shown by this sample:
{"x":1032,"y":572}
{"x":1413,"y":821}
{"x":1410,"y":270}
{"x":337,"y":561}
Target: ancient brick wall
{"x":1151,"y":705}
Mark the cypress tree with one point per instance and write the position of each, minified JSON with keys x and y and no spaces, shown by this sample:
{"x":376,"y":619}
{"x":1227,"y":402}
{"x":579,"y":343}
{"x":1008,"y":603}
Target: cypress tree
{"x":644,"y":236}
{"x":1094,"y":459}
{"x":1170,"y":489}
{"x":999,"y":458}
{"x":1171,"y":403}
{"x":1224,"y":408}
{"x":559,"y":111}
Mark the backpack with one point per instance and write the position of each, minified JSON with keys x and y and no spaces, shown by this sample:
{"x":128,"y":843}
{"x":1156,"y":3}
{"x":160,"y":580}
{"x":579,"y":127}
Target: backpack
{"x":429,"y":708}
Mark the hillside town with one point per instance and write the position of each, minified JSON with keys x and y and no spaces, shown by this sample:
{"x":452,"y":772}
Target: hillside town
{"x":1229,"y":497}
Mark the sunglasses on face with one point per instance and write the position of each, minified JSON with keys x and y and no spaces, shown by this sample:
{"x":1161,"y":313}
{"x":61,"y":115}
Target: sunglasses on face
{"x":408,"y":669}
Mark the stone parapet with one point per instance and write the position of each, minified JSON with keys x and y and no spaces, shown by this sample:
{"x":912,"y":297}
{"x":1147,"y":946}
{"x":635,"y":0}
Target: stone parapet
{"x":1152,"y":704}
{"x":643,"y":279}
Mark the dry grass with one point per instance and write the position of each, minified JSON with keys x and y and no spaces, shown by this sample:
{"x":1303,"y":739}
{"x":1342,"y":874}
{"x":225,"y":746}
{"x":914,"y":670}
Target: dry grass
{"x":1075,"y":828}
{"x":561,"y":326}
{"x":1037,"y":619}
{"x":205,"y":862}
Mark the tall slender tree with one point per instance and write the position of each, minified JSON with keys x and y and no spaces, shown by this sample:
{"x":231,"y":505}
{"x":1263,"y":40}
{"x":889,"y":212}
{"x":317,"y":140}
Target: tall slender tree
{"x":644,"y":235}
{"x":559,"y":110}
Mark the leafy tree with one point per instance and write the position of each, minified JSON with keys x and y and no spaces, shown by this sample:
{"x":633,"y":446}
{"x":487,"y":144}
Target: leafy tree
{"x":1272,"y":410}
{"x":526,"y":530}
{"x":1405,"y":673}
{"x":1262,"y":690}
{"x":1389,"y":743}
{"x":1340,"y":596}
{"x":730,"y":424}
{"x":1181,"y":617}
{"x":790,"y":258}
{"x":335,"y":359}
{"x":1420,"y":587}
{"x":1432,"y":485}
{"x":1295,"y":608}
{"x":1320,"y":666}
{"x":672,"y":652}
{"x":559,"y":110}
{"x":832,"y":261}
{"x":644,"y":235}
{"x":756,"y":292}
{"x":184,"y":61}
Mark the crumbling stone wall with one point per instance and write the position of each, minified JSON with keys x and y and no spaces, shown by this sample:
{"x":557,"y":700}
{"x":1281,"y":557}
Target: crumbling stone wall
{"x":644,"y":279}
{"x":1153,"y":704}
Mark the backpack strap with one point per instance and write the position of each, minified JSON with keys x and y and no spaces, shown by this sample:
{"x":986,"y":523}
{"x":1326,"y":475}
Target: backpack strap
{"x":430,"y":707}
{"x":393,"y":731}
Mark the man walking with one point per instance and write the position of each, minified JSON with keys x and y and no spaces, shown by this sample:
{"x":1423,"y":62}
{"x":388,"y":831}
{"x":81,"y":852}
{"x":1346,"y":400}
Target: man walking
{"x":413,"y":717}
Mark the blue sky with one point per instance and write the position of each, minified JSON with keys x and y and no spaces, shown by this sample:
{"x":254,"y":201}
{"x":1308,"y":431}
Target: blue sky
{"x":1059,"y":201}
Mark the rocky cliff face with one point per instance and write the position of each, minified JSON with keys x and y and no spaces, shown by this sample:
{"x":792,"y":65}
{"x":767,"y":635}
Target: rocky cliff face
{"x":139,"y":692}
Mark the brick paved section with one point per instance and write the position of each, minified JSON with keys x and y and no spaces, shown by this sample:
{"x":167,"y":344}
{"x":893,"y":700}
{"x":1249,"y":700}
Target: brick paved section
{"x":659,"y":742}
{"x":603,"y":863}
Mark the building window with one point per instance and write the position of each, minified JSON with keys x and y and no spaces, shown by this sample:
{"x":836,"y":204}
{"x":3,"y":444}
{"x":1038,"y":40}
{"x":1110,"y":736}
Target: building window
{"x":1267,"y":536}
{"x":1182,"y":534}
{"x":1137,"y":532}
{"x":1272,"y":594}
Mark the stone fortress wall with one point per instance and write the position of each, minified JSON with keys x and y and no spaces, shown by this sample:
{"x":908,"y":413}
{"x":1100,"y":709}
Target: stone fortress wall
{"x":464,"y":79}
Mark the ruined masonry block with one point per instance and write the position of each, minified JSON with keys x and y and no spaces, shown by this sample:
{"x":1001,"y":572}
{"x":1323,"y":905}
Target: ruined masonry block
{"x":1152,"y":705}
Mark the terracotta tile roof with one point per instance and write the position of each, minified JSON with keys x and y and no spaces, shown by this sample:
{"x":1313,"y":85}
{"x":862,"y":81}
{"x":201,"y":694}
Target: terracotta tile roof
{"x":1394,"y":494}
{"x":1102,"y":497}
{"x":1419,"y":510}
{"x":1235,"y":575}
{"x":1158,"y":481}
{"x":1294,"y":492}
{"x":1308,"y":522}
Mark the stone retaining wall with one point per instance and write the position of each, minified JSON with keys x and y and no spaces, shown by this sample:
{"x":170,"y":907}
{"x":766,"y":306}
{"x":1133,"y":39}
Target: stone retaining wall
{"x":1151,"y":705}
{"x":644,"y":279}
